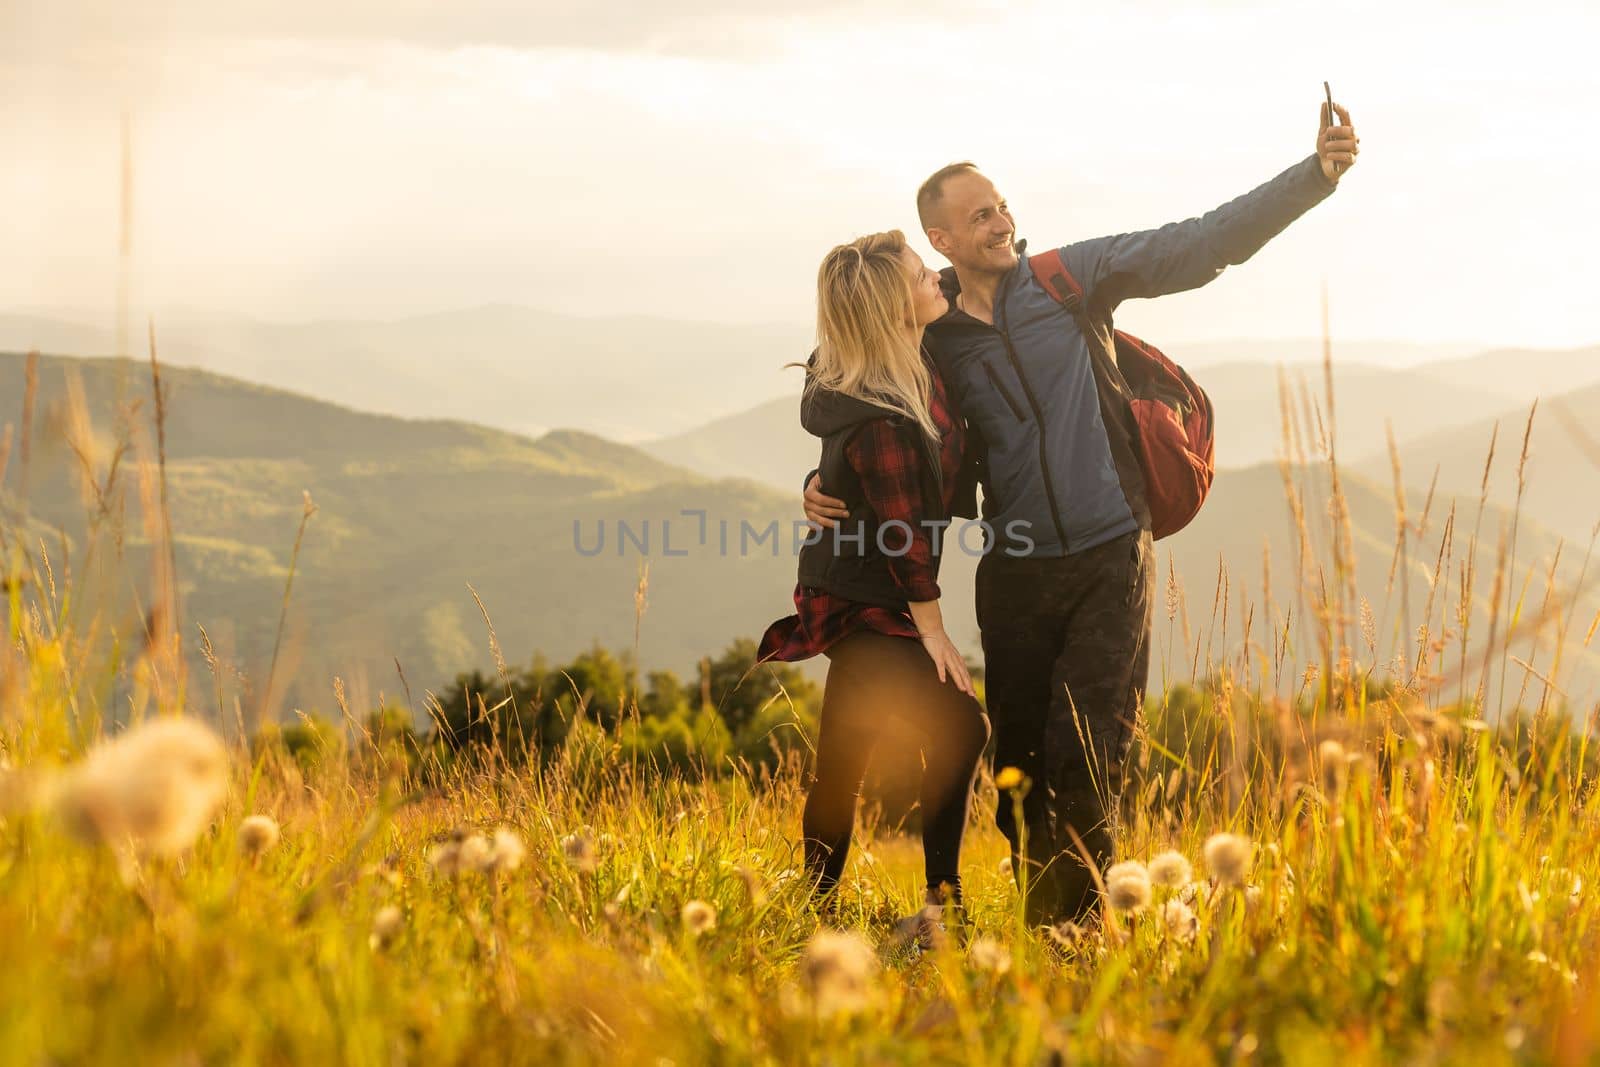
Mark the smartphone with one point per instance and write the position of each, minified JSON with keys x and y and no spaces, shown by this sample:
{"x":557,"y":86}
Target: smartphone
{"x":1333,"y":119}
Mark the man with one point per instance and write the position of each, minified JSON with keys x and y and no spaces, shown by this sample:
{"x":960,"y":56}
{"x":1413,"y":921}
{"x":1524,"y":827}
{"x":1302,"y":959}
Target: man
{"x":1065,"y":610}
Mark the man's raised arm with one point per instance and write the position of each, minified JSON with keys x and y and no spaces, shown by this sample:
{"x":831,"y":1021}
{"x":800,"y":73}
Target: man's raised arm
{"x":1186,"y":255}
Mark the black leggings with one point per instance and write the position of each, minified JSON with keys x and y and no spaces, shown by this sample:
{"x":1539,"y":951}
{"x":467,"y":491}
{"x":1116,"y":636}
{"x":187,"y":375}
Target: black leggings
{"x":871,"y":675}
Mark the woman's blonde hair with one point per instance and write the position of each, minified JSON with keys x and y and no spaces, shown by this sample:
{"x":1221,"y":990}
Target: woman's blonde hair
{"x":864,"y":350}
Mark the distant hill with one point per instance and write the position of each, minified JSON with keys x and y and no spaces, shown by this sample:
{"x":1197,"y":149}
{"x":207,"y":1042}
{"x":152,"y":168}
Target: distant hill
{"x":767,"y":444}
{"x":638,"y":379}
{"x":1518,"y":375}
{"x":1248,"y":401}
{"x":1305,"y":350}
{"x":1562,"y":477}
{"x":411,"y":512}
{"x":514,"y":368}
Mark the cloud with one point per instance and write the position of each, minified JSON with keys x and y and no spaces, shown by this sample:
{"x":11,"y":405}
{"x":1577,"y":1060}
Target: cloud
{"x":730,"y":28}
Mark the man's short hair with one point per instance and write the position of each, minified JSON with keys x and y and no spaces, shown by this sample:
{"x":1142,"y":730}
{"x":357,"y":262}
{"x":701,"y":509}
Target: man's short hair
{"x":932,"y":190}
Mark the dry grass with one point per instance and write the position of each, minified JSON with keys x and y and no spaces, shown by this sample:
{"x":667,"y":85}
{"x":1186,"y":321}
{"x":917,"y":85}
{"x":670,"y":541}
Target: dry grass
{"x":1419,"y":889}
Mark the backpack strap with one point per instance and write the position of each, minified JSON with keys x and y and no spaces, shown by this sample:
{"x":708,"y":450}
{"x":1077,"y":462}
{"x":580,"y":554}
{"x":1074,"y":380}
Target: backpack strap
{"x":1050,"y":270}
{"x":1052,"y":274}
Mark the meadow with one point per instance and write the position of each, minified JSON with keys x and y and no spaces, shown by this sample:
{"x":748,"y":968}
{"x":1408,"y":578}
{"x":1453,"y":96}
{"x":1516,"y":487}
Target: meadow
{"x":1389,"y":859}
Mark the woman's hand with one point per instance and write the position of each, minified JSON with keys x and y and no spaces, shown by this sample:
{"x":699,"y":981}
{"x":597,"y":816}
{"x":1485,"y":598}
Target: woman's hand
{"x":948,"y":661}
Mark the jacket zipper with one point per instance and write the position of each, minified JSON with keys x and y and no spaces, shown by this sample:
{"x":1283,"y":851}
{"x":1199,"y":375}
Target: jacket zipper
{"x":1005,"y":394}
{"x":1033,"y":403}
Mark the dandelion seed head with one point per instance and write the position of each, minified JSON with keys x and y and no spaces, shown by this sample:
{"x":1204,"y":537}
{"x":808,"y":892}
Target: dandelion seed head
{"x":473,"y":853}
{"x":386,"y":926}
{"x":1227,"y":858}
{"x":988,"y":955}
{"x":837,"y":968}
{"x":1065,"y":934}
{"x":257,"y":834}
{"x":1129,"y":893}
{"x":579,"y":852}
{"x":1171,"y":870}
{"x":506,"y":851}
{"x":1004,"y":867}
{"x":1126,"y":869}
{"x":698,"y":917}
{"x":1182,"y":923}
{"x":445,"y":858}
{"x":155,"y":787}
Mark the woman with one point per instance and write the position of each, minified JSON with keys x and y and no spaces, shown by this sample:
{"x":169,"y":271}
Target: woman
{"x":868,"y":598}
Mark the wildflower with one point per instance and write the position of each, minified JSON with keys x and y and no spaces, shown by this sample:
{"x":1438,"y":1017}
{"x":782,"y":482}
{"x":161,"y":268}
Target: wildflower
{"x":473,"y":853}
{"x":1228,"y":858}
{"x":837,"y":968}
{"x":1182,"y":923}
{"x":1066,"y":934}
{"x":386,"y":927}
{"x":155,"y":787}
{"x":579,"y":852}
{"x":1171,"y":870}
{"x":1126,"y":869}
{"x":445,"y":858}
{"x":1008,"y":778}
{"x":1129,"y":893}
{"x":506,"y":851}
{"x":987,"y":954}
{"x":1128,"y":886}
{"x":257,"y":834}
{"x":698,"y":917}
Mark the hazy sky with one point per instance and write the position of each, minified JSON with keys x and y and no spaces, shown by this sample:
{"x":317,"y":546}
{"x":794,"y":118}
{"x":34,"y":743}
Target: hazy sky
{"x":301,"y":159}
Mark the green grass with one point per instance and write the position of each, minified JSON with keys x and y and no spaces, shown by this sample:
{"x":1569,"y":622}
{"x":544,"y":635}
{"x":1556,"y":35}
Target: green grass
{"x":1424,"y":916}
{"x":1429,"y":902}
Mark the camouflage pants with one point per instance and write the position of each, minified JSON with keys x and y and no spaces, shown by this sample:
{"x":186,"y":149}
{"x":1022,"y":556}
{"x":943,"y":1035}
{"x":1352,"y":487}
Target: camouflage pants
{"x":1066,"y":645}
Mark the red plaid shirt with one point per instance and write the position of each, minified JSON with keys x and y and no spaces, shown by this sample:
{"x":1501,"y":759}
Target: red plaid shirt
{"x":887,"y":459}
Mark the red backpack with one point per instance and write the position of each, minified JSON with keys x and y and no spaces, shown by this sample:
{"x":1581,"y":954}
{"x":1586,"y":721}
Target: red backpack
{"x":1173,"y":416}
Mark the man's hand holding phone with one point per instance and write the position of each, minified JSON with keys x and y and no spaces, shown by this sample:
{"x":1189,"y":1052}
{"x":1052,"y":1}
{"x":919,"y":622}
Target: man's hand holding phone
{"x":1337,"y":146}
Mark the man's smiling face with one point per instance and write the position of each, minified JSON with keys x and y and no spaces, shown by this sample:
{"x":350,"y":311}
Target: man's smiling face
{"x":975,"y":231}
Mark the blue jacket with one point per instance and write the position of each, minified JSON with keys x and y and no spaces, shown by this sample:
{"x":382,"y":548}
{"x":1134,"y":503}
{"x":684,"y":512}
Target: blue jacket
{"x":1061,"y":450}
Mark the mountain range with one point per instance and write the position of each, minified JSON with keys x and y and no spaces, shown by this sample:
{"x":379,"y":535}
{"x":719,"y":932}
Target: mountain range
{"x":413,"y":515}
{"x":1416,"y":403}
{"x":510,"y":367}
{"x":639,"y":380}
